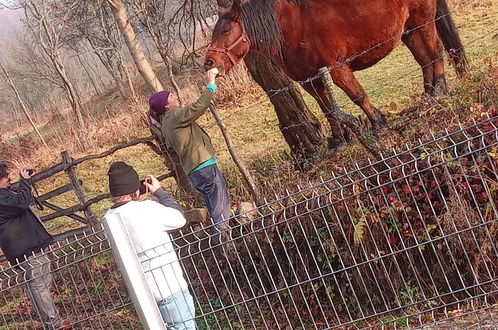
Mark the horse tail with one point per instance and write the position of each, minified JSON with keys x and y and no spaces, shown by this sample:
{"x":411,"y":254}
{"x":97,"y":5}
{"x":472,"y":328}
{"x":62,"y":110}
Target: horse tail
{"x":451,"y":39}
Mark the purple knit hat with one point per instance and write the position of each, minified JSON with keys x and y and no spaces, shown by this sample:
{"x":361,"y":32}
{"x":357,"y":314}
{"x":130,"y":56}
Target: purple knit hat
{"x":157,"y":104}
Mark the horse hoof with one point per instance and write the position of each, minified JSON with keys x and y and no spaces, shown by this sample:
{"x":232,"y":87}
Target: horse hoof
{"x":379,"y":125}
{"x":348,"y":136}
{"x":440,"y":91}
{"x":335,"y":143}
{"x":435,"y":91}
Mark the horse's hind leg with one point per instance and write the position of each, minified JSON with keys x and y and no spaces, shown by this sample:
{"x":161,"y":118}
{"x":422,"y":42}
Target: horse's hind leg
{"x":426,"y":48}
{"x":344,"y":78}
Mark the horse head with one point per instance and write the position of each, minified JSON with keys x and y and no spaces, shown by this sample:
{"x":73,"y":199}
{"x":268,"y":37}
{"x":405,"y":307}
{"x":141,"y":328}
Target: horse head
{"x":229,"y":43}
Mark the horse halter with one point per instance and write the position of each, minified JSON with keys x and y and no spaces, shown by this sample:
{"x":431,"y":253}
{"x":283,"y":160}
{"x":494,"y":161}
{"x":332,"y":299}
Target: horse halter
{"x":227,"y":50}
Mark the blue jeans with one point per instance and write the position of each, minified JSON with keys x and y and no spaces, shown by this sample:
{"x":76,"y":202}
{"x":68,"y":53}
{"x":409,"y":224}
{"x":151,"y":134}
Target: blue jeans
{"x":210,"y":183}
{"x":178,"y":311}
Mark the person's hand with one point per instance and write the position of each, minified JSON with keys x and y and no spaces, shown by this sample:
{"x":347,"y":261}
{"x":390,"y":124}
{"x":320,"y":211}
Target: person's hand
{"x":25,"y":174}
{"x":152,"y":183}
{"x":211,"y":75}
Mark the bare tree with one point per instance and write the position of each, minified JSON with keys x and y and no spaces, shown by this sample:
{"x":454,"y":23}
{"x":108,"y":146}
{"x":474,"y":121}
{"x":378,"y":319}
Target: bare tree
{"x":23,"y":106}
{"x":34,"y":74}
{"x":84,"y":65}
{"x":188,"y":23}
{"x":47,"y":19}
{"x":134,"y":47}
{"x":156,"y":18}
{"x":94,"y":29}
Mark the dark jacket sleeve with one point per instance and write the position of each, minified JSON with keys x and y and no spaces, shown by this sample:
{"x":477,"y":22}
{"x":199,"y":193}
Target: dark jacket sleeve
{"x":188,"y":114}
{"x":166,"y":199}
{"x":14,"y":204}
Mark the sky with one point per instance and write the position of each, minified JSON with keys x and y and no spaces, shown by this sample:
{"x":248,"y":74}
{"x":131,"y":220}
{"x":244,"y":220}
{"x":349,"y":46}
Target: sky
{"x":9,"y":24}
{"x":9,"y":18}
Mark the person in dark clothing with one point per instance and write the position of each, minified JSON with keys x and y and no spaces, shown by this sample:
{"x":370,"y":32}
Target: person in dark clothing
{"x":23,"y":239}
{"x":193,"y":146}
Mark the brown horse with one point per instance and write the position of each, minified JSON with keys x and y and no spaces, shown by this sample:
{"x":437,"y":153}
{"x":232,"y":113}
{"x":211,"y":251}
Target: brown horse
{"x":345,"y":35}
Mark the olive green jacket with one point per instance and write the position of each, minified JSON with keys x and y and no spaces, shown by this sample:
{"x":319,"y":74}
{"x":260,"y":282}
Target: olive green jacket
{"x":181,"y":132}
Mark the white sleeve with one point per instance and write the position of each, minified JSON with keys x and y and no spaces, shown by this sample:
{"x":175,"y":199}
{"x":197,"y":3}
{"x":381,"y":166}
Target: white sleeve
{"x":167,"y":217}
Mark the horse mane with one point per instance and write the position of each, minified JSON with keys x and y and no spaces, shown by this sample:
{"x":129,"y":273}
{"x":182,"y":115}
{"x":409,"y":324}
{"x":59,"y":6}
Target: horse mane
{"x":260,"y":21}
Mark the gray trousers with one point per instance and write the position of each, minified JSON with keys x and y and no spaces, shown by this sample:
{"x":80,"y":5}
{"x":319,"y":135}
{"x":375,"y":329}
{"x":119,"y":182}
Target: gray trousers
{"x":210,"y":182}
{"x":39,"y":281}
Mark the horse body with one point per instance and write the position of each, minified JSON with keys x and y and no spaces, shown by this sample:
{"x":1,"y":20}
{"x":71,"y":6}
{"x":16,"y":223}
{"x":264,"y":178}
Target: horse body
{"x":344,"y":35}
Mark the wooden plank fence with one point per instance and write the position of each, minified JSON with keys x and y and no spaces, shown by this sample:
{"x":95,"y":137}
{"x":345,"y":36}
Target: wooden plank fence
{"x":68,"y":165}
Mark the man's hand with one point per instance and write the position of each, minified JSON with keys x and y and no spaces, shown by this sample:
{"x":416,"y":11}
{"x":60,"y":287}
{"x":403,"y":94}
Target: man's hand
{"x":152,"y":183}
{"x":25,"y":174}
{"x":211,"y":75}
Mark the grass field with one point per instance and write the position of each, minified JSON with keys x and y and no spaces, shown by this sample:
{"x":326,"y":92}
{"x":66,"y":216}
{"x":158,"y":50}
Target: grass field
{"x":394,"y":85}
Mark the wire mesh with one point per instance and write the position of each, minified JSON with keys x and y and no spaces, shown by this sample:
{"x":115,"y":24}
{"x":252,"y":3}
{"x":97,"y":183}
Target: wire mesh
{"x":410,"y":241}
{"x":393,"y":243}
{"x":86,"y":288}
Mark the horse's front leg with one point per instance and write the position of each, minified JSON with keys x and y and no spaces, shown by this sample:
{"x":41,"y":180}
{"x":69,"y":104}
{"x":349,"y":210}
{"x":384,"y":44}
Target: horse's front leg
{"x":340,"y":135}
{"x":344,"y":78}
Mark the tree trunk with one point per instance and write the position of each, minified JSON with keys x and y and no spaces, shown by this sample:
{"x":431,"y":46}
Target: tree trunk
{"x":129,"y":81}
{"x":88,"y":74}
{"x":119,"y":84}
{"x":112,"y":70}
{"x":69,"y":89}
{"x":134,"y":47}
{"x":15,"y":114}
{"x":101,"y":84}
{"x":300,"y":128}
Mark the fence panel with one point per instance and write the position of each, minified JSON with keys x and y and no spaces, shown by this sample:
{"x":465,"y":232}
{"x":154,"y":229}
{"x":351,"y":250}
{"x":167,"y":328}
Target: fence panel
{"x":399,"y":242}
{"x":87,"y":288}
{"x":410,"y":241}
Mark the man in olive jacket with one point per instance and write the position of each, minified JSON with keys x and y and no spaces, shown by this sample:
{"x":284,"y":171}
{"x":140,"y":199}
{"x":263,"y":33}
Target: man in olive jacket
{"x":24,"y":238}
{"x":193,"y":146}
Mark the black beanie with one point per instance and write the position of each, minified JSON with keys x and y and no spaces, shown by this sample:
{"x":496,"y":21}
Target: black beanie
{"x":123,"y":179}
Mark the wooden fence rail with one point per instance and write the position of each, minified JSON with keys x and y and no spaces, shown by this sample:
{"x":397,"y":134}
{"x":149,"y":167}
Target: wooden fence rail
{"x":68,"y":165}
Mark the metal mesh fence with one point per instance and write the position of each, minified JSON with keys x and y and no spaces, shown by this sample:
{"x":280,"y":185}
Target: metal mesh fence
{"x":410,"y":241}
{"x":392,"y":243}
{"x":87,"y":288}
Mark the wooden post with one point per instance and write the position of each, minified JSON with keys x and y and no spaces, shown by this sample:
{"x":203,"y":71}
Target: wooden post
{"x":78,"y":189}
{"x":228,"y":139}
{"x":353,"y":123}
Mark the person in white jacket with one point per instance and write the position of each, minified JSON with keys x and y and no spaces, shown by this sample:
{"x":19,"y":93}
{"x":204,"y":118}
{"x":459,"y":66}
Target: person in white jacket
{"x":148,"y":223}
